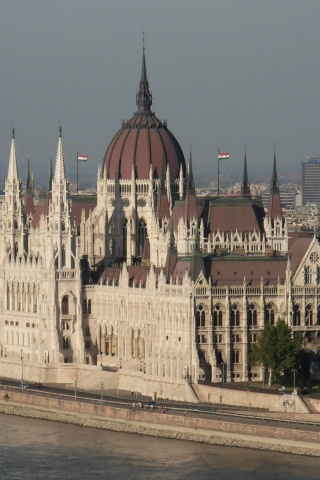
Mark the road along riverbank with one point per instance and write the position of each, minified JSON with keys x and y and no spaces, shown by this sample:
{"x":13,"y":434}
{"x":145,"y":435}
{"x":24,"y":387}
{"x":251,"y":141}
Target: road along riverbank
{"x":189,"y":427}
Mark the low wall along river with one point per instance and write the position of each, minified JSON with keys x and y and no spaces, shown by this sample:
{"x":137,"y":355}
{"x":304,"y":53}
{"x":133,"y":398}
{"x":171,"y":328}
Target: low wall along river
{"x":185,"y":426}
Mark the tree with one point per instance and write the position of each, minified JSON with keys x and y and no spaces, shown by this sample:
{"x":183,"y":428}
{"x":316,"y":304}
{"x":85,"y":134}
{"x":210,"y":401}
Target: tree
{"x":277,"y":349}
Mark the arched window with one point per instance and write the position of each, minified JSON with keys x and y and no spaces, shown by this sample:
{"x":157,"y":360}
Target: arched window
{"x":217,"y":316}
{"x":112,"y":246}
{"x":142,"y":235}
{"x":308,"y":319}
{"x":63,"y":256}
{"x":201,"y":316}
{"x":252,"y":316}
{"x":296,"y":318}
{"x":236,"y":356}
{"x":124,"y":238}
{"x":65,"y":305}
{"x":87,"y":331}
{"x":84,"y":307}
{"x":89,"y":307}
{"x":88,"y":344}
{"x":235,"y":316}
{"x":307,"y":275}
{"x":66,"y":343}
{"x":270,"y":314}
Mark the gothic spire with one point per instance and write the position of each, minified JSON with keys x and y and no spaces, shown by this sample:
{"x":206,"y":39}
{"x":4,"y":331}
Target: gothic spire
{"x":274,"y":182}
{"x":274,"y":206}
{"x":28,"y":180}
{"x":59,"y":173}
{"x":144,"y":96}
{"x":13,"y":173}
{"x":245,"y":185}
{"x":50,"y":176}
{"x":190,"y":181}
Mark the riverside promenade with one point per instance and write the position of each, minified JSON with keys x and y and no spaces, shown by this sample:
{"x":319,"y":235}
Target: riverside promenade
{"x":187,"y":426}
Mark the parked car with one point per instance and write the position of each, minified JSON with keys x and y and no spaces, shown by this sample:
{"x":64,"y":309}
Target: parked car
{"x":38,"y":385}
{"x":151,"y":404}
{"x":24,"y":386}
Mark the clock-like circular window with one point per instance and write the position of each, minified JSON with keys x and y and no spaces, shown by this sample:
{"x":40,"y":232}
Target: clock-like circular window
{"x":314,"y":257}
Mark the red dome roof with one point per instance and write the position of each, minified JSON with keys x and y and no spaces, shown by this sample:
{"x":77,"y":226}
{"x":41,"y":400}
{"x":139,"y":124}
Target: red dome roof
{"x":143,"y":141}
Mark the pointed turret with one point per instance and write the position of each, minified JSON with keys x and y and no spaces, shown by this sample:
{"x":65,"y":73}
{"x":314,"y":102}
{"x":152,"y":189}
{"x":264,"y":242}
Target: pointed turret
{"x":28,"y":179}
{"x":162,"y":207}
{"x":13,"y":173}
{"x":50,"y":176}
{"x":274,"y":182}
{"x":60,"y":174}
{"x":274,"y":207}
{"x":28,"y":198}
{"x":245,"y":185}
{"x":190,"y":181}
{"x":144,"y":96}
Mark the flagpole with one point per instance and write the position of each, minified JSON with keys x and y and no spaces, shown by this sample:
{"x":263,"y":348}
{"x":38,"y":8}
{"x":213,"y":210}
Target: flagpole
{"x":77,"y":173}
{"x":218,"y":170}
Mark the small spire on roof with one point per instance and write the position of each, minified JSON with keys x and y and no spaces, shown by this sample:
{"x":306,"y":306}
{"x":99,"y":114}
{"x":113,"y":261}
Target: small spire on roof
{"x":28,"y":180}
{"x":50,"y":175}
{"x":190,"y":181}
{"x":274,"y":181}
{"x":245,"y":186}
{"x":13,"y":173}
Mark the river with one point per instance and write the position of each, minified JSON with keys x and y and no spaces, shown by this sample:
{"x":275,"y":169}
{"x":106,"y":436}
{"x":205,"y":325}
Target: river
{"x":42,"y":450}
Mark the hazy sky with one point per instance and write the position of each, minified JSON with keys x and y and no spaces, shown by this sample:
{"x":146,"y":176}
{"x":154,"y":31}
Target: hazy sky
{"x":223,"y":73}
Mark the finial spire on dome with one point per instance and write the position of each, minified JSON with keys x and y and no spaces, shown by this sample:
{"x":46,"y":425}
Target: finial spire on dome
{"x":144,"y":96}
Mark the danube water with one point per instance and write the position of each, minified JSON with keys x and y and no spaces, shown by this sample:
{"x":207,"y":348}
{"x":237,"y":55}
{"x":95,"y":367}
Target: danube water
{"x":42,"y":450}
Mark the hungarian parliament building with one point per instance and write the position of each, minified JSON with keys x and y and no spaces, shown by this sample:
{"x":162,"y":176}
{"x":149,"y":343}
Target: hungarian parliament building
{"x":146,"y":279}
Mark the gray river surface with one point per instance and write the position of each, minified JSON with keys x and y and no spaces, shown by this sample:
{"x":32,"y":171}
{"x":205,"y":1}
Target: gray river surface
{"x":39,"y":449}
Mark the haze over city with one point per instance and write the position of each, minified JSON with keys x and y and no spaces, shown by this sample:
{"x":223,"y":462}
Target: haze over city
{"x":223,"y":74}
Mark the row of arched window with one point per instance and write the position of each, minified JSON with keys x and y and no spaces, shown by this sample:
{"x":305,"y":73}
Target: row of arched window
{"x":236,"y":315}
{"x":22,"y":297}
{"x":308,"y":317}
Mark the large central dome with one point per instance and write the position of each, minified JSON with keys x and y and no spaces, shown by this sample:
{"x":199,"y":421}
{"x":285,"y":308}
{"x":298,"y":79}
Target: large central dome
{"x":144,"y":141}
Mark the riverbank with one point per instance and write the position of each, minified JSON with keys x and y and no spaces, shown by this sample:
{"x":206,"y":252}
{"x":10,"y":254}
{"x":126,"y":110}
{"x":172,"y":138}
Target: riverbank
{"x":168,"y":425}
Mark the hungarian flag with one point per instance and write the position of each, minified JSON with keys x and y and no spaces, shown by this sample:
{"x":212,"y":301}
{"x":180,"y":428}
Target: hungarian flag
{"x":82,"y":158}
{"x":223,"y":156}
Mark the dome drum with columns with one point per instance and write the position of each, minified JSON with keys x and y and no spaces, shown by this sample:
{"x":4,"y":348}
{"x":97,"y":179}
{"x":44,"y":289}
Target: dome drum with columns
{"x":147,"y":279}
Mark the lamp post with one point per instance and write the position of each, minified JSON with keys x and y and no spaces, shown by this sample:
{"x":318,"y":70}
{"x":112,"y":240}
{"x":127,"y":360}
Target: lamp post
{"x":223,"y":372}
{"x":21,"y":369}
{"x":100,"y":359}
{"x":294,"y":380}
{"x":101,"y":391}
{"x":140,"y":365}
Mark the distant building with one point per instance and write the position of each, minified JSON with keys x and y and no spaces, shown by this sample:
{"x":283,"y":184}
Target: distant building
{"x":289,"y":194}
{"x":310,"y":180}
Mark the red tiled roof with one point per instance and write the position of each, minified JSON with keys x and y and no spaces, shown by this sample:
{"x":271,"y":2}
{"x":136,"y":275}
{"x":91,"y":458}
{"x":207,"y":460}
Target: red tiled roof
{"x":298,"y":246}
{"x":229,"y":215}
{"x":232,"y":271}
